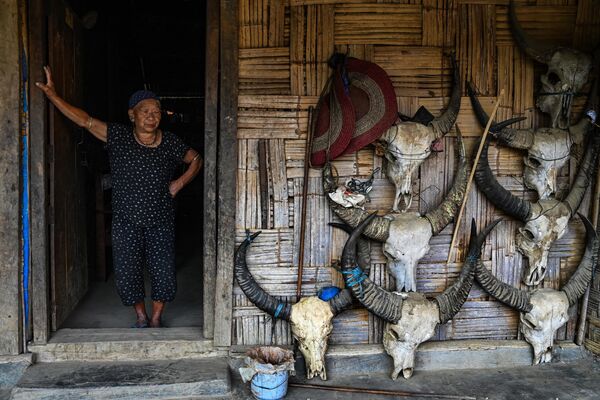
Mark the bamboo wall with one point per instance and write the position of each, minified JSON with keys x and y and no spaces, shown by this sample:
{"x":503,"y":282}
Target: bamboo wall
{"x":284,"y":47}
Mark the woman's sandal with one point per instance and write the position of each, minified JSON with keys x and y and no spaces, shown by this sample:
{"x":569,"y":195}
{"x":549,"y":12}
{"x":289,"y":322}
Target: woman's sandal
{"x":141,"y":324}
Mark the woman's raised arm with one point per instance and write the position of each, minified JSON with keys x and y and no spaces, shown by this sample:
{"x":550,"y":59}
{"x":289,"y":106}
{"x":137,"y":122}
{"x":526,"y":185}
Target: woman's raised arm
{"x":77,"y":115}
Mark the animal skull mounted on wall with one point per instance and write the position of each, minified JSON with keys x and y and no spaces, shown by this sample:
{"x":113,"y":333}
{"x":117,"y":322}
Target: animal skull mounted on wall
{"x":405,"y":236}
{"x":411,"y":318}
{"x":545,"y":220}
{"x":568,"y":72}
{"x":310,"y":318}
{"x":548,"y":149}
{"x":407,"y":144}
{"x":544,"y":311}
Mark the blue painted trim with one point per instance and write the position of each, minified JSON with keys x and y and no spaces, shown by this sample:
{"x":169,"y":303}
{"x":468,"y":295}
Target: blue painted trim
{"x":25,"y":218}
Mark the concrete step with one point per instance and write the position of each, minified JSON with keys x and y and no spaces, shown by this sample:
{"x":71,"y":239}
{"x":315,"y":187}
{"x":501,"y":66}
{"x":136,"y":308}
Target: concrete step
{"x":122,"y":344}
{"x":164,"y":379}
{"x":344,"y":360}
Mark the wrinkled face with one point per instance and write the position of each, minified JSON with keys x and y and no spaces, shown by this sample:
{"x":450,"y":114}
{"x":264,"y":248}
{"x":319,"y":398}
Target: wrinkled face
{"x":311,"y":326}
{"x":568,"y":72}
{"x":146,"y":115}
{"x":549,"y":312}
{"x":406,"y":145}
{"x":548,"y":223}
{"x":419,"y":319}
{"x":549,"y":153}
{"x":407,"y":243}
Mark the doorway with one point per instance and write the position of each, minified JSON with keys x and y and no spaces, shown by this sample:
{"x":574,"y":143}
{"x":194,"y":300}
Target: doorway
{"x":115,"y":48}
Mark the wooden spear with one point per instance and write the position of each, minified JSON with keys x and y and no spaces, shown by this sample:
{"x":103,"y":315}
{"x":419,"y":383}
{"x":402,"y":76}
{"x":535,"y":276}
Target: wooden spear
{"x":395,"y":393}
{"x":481,"y":144}
{"x":304,"y":196}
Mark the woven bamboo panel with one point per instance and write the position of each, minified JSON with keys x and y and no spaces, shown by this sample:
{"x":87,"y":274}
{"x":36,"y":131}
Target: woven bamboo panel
{"x":378,"y":24}
{"x":284,"y":49}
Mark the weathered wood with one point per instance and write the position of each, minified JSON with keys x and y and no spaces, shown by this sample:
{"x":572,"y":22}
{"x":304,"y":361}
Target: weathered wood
{"x":10,"y":175}
{"x":226,"y":176}
{"x":38,"y":44}
{"x":211,"y":134}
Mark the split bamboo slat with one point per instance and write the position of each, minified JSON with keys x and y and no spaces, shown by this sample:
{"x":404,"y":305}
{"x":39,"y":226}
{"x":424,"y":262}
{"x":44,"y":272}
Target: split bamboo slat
{"x":284,"y":49}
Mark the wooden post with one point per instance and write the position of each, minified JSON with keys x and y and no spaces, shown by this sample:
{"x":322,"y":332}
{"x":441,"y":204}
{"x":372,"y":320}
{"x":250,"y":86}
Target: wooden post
{"x":481,"y":144}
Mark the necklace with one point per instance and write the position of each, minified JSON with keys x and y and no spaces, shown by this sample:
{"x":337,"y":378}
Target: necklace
{"x":140,"y":141}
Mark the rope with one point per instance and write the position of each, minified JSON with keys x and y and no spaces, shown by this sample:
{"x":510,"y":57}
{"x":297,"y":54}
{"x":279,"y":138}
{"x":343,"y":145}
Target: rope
{"x":278,"y":310}
{"x":355,"y":277}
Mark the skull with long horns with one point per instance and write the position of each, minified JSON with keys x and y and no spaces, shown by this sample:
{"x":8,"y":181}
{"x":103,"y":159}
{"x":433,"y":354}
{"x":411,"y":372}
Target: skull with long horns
{"x":544,"y":311}
{"x":568,"y":72}
{"x":406,"y":235}
{"x":545,"y":220}
{"x":407,"y":144}
{"x":548,"y":149}
{"x":411,"y":317}
{"x":310,"y":318}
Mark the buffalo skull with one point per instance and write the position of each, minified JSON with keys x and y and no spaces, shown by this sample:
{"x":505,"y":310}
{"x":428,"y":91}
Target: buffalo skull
{"x":310,"y":318}
{"x":407,"y":144}
{"x":568,"y":72}
{"x":545,"y":220}
{"x":405,"y":235}
{"x":548,"y":149}
{"x":544,"y":311}
{"x":411,"y":317}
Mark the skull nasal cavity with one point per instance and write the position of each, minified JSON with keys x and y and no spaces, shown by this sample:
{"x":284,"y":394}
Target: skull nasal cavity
{"x":553,"y":78}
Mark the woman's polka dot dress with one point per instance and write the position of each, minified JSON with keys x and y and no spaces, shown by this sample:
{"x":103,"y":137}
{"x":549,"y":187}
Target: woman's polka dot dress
{"x":143,"y":225}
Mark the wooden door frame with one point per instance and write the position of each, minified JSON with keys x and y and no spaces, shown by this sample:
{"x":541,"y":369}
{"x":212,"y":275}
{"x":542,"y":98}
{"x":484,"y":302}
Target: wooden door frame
{"x":219,"y":171}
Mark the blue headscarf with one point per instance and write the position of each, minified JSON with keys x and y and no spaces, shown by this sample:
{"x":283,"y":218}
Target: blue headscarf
{"x":141,"y":95}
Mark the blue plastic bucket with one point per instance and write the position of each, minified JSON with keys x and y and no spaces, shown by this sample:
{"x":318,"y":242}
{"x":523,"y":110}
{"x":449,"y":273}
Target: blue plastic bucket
{"x":270,"y":386}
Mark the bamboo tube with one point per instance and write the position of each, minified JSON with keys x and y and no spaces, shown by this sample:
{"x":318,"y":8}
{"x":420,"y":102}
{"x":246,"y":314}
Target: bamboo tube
{"x":380,"y":392}
{"x":481,"y":144}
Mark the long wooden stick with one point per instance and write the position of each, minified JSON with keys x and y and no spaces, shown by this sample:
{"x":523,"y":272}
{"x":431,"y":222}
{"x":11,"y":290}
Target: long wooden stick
{"x":481,"y":144}
{"x":379,"y":391}
{"x":304,"y":196}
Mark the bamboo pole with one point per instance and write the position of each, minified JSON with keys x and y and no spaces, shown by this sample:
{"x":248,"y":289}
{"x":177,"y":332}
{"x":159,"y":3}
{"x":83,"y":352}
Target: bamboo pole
{"x":380,"y":392}
{"x":304,"y":196}
{"x":580,"y":336}
{"x":481,"y":144}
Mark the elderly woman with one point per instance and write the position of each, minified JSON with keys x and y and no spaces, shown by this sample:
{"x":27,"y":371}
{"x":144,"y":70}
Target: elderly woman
{"x":142,"y":161}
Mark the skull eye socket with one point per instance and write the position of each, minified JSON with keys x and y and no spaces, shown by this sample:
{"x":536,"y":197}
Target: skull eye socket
{"x":553,"y":78}
{"x":528,"y":234}
{"x":534,"y":162}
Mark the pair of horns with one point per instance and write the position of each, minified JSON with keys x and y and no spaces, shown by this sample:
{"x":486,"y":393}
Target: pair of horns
{"x":388,"y":305}
{"x":575,"y":287}
{"x":268,"y":303}
{"x":379,"y":227}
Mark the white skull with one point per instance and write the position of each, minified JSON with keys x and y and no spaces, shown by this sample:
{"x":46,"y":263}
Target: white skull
{"x":406,"y":145}
{"x":311,"y":323}
{"x":549,"y":312}
{"x":568,"y":71}
{"x":407,"y":243}
{"x":548,"y":223}
{"x":417,"y":325}
{"x":546,"y":156}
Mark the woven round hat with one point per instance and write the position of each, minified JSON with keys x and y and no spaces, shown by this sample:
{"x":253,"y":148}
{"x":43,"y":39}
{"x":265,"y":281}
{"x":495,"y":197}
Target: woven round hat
{"x":374,"y":101}
{"x":334,"y":121}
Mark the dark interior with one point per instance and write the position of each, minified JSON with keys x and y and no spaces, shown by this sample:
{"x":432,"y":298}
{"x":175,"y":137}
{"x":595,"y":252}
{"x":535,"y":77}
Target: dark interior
{"x":127,"y":46}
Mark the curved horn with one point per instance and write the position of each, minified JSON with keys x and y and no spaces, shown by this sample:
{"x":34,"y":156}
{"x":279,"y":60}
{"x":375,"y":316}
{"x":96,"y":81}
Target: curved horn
{"x":578,"y":131}
{"x":528,"y":45}
{"x":252,"y":290}
{"x":364,"y":250}
{"x":378,"y":229}
{"x":583,"y":180}
{"x":455,"y":296}
{"x":442,"y":124}
{"x":517,"y":138}
{"x":377,"y":300}
{"x":499,"y":196}
{"x":340,"y":301}
{"x":445,"y":212}
{"x":580,"y":280}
